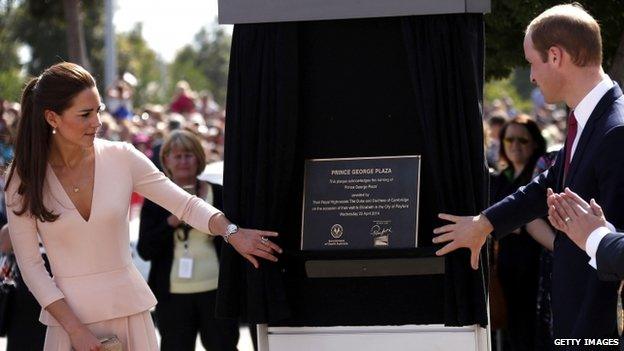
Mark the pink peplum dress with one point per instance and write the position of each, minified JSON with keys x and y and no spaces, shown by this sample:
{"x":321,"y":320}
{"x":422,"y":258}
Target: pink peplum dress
{"x":90,"y":258}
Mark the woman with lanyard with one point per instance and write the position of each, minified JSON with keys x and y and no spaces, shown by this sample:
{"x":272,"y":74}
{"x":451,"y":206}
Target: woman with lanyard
{"x":184,"y":265}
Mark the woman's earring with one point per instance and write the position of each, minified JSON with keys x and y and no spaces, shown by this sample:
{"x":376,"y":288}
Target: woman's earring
{"x":53,"y":130}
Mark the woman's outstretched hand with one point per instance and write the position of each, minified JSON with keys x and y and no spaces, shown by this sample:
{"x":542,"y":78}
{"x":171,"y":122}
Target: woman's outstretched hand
{"x":252,"y":243}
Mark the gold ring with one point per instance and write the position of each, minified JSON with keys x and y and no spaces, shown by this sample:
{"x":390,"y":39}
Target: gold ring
{"x":264,"y":239}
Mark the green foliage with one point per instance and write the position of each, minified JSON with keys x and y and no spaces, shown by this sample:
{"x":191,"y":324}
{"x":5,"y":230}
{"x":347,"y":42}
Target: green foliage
{"x":11,"y":84}
{"x":204,"y":64}
{"x":505,"y":25}
{"x":185,"y":68}
{"x":11,"y":80}
{"x":136,"y":57}
{"x":41,"y":25}
{"x":502,"y":88}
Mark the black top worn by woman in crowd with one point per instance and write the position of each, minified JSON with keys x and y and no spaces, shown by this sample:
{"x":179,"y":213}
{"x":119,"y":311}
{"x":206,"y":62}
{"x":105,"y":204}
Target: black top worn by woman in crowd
{"x":186,"y":303}
{"x":19,"y":311}
{"x":518,"y":253}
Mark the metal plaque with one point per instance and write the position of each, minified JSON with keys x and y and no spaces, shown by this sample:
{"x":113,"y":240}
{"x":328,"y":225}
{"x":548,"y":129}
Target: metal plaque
{"x":361,"y":203}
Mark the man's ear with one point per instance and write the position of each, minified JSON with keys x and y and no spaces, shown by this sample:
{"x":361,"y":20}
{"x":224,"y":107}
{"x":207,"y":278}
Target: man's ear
{"x":555,"y":56}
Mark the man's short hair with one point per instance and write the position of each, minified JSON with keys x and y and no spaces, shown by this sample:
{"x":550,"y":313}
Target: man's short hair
{"x":571,"y":28}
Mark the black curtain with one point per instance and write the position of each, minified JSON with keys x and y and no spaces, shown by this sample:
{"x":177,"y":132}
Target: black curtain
{"x":352,"y":88}
{"x":446,"y":66}
{"x":261,"y":134}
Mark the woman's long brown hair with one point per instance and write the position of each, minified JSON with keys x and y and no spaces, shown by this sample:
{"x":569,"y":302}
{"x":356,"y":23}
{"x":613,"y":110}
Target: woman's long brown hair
{"x":53,"y":90}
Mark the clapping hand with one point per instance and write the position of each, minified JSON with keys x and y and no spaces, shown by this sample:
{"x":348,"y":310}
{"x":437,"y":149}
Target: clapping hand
{"x":572,"y":215}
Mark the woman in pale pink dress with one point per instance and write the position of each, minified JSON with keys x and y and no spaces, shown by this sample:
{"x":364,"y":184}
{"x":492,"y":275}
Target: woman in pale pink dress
{"x":71,"y":191}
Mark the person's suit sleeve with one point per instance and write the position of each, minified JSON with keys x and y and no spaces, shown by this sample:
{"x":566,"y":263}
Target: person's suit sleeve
{"x":610,"y":176}
{"x":610,"y":257}
{"x":524,"y":205}
{"x":155,"y":235}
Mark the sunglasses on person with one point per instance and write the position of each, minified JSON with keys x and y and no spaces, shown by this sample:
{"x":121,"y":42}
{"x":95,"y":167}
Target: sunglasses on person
{"x":521,"y":140}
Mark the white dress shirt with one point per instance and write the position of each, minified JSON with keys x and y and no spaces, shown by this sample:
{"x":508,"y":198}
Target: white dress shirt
{"x":593,"y":240}
{"x":585,"y":108}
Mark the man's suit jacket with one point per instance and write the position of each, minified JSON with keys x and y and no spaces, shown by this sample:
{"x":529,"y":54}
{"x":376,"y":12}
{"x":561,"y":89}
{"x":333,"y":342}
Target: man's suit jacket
{"x":610,"y":257}
{"x":583,"y":306}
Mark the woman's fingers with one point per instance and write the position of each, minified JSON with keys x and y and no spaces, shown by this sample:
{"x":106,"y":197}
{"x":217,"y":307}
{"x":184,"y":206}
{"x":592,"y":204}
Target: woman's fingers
{"x":252,"y":259}
{"x":263,"y":247}
{"x":273,"y":246}
{"x":266,"y":233}
{"x":264,"y":241}
{"x":253,"y":244}
{"x":267,"y":256}
{"x":268,"y":246}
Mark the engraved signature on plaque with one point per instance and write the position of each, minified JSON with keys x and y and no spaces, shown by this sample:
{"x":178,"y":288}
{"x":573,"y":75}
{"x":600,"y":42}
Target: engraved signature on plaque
{"x":380,"y":233}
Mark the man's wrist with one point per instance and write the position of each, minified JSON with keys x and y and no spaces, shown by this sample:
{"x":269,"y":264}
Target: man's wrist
{"x":593,"y":240}
{"x":485,"y":224}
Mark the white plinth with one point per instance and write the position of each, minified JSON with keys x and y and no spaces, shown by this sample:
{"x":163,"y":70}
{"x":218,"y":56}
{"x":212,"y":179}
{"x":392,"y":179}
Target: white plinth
{"x":375,"y":338}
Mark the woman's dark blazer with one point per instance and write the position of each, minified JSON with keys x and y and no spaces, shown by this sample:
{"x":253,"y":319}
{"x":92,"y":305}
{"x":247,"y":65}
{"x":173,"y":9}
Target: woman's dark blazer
{"x":156,"y":243}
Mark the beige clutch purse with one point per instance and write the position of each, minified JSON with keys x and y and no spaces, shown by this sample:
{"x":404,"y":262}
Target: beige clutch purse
{"x":111,"y":344}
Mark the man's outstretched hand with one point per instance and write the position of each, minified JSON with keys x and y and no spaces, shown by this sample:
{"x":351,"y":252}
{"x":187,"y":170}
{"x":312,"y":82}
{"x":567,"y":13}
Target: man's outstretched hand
{"x":464,"y":231}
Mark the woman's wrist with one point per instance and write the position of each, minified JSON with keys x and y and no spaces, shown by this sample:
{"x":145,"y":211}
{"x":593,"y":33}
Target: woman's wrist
{"x":74,"y":328}
{"x":218,"y":224}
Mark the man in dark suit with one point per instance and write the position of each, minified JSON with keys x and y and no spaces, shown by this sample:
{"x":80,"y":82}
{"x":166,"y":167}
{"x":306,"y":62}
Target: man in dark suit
{"x":585,"y":224}
{"x":564,"y":48}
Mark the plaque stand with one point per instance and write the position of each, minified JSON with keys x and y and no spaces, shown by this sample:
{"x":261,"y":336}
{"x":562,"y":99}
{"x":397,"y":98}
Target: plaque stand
{"x":374,"y":338}
{"x":382,"y":85}
{"x":374,"y":267}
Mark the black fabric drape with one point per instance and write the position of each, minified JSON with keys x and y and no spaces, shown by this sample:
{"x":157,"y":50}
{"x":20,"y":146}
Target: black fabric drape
{"x":446,"y":66}
{"x":351,"y":88}
{"x":262,"y":109}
